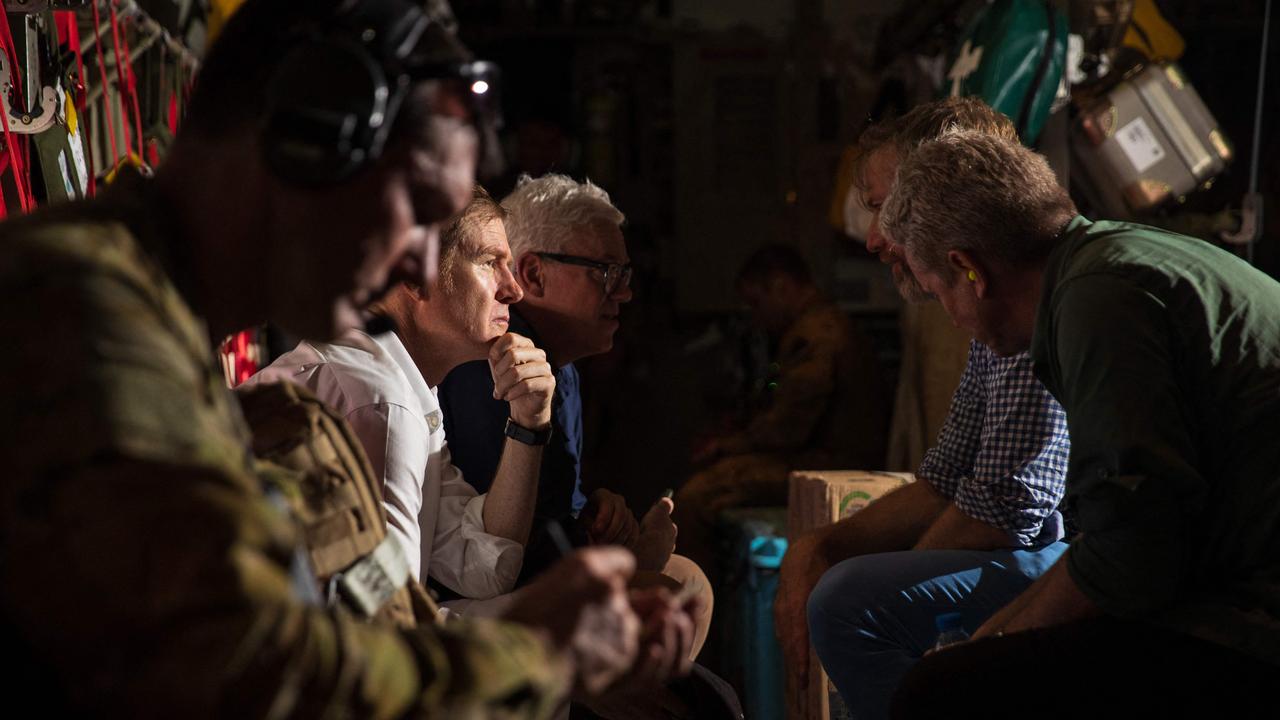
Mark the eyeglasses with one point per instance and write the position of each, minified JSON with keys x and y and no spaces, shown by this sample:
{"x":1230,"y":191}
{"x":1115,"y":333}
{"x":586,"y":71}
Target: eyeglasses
{"x":615,"y":276}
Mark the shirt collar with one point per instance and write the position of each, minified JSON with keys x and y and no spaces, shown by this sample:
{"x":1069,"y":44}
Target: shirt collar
{"x":1064,"y":248}
{"x":391,"y":344}
{"x":1041,"y":337}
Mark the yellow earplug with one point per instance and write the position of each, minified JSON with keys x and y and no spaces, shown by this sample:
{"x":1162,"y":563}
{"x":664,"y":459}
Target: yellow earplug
{"x":973,"y":276}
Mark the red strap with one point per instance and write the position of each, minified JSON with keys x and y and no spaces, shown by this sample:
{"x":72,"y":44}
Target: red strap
{"x":128,"y":95}
{"x":15,"y":157}
{"x":11,"y":51}
{"x":121,"y":63}
{"x":12,"y":146}
{"x":4,"y":163}
{"x":69,"y":34}
{"x":133,"y":87}
{"x":102,"y":73}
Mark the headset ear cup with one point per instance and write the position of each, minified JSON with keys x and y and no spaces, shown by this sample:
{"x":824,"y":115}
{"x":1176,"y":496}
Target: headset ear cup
{"x":326,"y":106}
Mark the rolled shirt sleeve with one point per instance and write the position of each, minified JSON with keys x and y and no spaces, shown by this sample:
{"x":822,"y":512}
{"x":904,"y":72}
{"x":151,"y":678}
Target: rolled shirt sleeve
{"x":1002,"y":453}
{"x":464,"y":557}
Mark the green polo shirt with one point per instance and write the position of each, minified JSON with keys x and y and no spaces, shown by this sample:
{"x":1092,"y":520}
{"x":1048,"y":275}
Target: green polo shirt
{"x":1165,"y":353}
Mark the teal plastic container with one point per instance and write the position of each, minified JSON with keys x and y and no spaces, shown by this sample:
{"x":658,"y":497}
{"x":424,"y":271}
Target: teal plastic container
{"x":762,"y":677}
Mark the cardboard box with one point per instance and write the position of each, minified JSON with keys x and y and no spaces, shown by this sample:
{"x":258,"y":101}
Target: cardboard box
{"x":817,"y":498}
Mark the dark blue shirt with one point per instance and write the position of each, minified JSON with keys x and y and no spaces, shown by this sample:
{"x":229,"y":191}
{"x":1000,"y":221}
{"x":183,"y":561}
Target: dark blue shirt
{"x":474,"y":423}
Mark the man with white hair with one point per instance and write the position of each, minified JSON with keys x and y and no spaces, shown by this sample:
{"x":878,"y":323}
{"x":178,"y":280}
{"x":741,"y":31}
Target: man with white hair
{"x":572,"y":265}
{"x":153,"y":511}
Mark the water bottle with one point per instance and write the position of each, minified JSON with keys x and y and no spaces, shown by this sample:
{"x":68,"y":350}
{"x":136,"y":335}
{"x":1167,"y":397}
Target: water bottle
{"x":950,"y":630}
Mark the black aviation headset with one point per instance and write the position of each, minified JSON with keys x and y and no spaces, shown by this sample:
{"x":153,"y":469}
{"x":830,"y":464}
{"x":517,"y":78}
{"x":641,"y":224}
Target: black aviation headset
{"x":334,"y":97}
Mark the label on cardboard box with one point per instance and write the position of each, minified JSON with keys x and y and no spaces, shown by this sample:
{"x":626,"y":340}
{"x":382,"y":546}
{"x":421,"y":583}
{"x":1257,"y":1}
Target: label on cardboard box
{"x":821,"y":497}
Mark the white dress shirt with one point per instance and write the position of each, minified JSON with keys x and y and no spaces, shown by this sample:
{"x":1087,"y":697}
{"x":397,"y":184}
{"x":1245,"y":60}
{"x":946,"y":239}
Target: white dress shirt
{"x":436,"y":515}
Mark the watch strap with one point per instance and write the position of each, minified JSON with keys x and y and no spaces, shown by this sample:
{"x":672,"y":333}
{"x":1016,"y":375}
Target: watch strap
{"x":520,"y":433}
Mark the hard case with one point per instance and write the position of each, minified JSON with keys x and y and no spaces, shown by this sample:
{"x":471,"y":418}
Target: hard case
{"x":1148,"y":141}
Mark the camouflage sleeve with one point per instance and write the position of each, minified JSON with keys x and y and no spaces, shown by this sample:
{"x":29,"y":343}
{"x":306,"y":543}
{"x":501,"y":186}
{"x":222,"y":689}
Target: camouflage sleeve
{"x":193,"y":613}
{"x":801,"y":391}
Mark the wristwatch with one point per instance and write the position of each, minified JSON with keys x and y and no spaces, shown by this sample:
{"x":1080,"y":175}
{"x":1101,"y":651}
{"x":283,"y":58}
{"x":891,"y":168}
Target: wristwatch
{"x":520,"y":433}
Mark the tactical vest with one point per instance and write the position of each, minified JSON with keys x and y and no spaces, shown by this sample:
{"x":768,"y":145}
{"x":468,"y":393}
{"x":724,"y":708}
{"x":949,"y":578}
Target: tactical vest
{"x":315,"y":460}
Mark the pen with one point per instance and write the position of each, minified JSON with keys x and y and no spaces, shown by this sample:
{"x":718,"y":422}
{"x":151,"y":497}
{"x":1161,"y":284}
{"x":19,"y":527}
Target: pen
{"x":559,"y":538}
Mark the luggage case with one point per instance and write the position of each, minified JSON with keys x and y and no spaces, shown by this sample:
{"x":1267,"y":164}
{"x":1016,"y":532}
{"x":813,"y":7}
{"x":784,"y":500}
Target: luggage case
{"x":1149,"y":141}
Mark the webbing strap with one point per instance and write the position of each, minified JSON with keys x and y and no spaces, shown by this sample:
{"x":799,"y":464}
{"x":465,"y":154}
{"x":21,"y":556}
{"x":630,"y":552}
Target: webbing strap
{"x":102,"y":74}
{"x":4,"y":163}
{"x":131,"y":86}
{"x":132,"y":145}
{"x":17,"y":160}
{"x":14,"y":153}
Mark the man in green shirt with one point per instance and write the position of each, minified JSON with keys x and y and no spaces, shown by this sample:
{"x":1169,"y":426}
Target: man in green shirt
{"x":144,"y":571}
{"x":1165,"y":353}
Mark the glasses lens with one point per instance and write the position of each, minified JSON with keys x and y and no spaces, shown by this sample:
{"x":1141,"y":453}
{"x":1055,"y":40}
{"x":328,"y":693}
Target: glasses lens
{"x":616,"y":278}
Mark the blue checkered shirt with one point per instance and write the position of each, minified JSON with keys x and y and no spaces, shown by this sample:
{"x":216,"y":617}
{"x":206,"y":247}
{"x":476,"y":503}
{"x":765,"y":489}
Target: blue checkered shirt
{"x":1001,"y":456}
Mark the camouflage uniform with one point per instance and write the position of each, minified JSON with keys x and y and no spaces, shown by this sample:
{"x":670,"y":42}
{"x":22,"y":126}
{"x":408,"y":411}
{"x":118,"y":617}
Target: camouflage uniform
{"x":826,"y":410}
{"x":143,"y":570}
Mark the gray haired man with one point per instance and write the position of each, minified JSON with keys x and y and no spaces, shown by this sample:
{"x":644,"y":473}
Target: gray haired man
{"x":1165,"y":353}
{"x":571,"y":262}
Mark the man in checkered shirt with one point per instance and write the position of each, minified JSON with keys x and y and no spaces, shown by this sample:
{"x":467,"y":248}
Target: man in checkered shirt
{"x":977,"y":528}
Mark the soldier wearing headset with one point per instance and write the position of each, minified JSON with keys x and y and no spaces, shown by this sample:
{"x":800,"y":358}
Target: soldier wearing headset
{"x":143,"y":569}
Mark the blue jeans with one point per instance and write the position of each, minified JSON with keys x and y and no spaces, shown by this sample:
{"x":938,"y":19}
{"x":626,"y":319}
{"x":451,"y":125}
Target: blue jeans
{"x":872,"y":617}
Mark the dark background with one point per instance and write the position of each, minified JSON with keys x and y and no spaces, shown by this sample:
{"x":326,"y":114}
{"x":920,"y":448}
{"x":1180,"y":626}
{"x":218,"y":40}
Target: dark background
{"x":717,"y":126}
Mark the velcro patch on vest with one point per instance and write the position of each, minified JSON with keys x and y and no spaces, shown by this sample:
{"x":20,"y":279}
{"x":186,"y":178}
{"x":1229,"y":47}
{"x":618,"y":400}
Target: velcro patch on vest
{"x":371,"y":581}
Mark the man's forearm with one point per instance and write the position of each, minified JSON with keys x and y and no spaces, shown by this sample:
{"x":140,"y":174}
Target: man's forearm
{"x":509,"y":504}
{"x":954,"y":530}
{"x":1052,"y":600}
{"x":894,"y":522}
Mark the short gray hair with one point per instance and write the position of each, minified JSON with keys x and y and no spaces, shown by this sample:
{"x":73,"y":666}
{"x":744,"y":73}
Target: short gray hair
{"x":972,"y":191}
{"x":544,"y":212}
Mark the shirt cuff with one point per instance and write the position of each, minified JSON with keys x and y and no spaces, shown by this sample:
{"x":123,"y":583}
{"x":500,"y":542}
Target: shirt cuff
{"x":491,"y":563}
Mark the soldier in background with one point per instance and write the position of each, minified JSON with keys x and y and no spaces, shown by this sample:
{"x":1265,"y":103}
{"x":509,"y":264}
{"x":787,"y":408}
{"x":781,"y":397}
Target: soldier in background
{"x":820,"y":410}
{"x":144,"y":572}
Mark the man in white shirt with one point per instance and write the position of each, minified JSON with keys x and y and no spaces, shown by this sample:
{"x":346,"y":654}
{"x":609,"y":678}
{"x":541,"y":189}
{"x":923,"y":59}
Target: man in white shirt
{"x":385,"y":387}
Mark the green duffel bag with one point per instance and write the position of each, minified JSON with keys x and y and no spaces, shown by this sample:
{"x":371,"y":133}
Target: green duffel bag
{"x":1012,"y":56}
